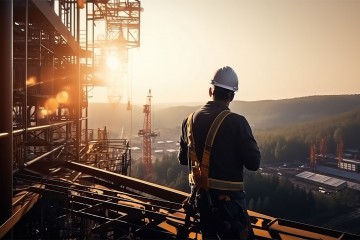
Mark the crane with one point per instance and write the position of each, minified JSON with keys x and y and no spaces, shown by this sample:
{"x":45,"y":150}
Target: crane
{"x":147,"y":134}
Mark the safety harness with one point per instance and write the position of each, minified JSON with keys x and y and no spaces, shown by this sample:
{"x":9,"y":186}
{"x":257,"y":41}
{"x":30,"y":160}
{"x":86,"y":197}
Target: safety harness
{"x":199,"y":174}
{"x":199,"y":171}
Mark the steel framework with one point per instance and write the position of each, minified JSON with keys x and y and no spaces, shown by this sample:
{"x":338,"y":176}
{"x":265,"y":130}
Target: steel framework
{"x":51,"y":50}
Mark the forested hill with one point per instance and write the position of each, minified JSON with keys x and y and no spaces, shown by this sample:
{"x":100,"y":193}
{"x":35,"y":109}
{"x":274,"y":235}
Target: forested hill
{"x":260,"y":114}
{"x":293,"y":142}
{"x":271,"y":113}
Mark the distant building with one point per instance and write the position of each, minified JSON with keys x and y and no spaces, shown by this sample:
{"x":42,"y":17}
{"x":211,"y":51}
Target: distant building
{"x":322,"y":180}
{"x":350,"y":165}
{"x":352,"y":153}
{"x":351,"y":160}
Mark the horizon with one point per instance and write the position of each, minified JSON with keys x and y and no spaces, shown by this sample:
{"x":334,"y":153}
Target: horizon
{"x":190,"y":103}
{"x":261,"y":115}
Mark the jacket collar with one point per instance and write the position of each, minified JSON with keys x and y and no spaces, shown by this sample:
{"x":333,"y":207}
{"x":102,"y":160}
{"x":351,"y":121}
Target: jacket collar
{"x":216,"y":104}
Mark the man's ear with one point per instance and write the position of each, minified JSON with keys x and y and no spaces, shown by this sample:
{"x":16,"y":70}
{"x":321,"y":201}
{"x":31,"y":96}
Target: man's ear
{"x":232,"y":96}
{"x":210,"y":92}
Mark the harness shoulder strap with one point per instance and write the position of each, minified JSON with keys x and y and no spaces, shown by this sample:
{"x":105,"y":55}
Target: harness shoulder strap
{"x":194,"y":164}
{"x":200,"y":171}
{"x":205,"y":163}
{"x":190,"y":139}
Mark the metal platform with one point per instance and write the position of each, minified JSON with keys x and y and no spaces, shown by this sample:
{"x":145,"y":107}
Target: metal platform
{"x":87,"y":202}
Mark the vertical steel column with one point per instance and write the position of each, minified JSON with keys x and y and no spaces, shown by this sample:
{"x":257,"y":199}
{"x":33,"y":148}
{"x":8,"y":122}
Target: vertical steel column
{"x":86,"y":77}
{"x":22,"y":160}
{"x":79,"y":88}
{"x":6,"y":105}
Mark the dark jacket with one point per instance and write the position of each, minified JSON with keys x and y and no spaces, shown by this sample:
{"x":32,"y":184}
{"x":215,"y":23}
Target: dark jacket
{"x":234,"y":146}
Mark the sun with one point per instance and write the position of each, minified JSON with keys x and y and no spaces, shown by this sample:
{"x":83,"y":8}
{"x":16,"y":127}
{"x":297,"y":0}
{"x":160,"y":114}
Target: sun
{"x":112,"y":62}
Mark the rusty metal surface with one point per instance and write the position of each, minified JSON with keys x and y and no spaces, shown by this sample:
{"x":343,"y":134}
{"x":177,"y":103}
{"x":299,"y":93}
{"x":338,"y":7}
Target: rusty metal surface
{"x":129,"y":182}
{"x":150,"y":210}
{"x":107,"y":207}
{"x":20,"y":208}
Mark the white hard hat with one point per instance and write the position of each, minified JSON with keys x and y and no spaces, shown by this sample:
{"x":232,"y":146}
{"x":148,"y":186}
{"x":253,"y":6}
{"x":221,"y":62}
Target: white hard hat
{"x":226,"y":78}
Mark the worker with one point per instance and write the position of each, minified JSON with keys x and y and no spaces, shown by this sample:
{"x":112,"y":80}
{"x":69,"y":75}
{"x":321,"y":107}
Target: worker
{"x":218,"y":184}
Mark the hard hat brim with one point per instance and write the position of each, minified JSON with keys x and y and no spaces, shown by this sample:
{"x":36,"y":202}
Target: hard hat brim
{"x":234,"y":89}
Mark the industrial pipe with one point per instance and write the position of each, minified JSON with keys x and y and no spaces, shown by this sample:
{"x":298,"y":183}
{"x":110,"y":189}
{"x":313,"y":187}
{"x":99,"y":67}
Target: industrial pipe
{"x":44,"y":155}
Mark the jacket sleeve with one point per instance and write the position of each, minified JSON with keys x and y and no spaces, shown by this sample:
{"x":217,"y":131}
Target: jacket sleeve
{"x":251,"y":152}
{"x":183,"y":149}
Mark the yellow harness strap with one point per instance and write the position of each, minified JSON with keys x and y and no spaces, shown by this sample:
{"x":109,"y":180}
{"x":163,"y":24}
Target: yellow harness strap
{"x":194,"y":175}
{"x":200,"y":171}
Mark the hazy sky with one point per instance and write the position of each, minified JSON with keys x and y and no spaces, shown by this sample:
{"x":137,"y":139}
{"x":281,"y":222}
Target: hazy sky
{"x":279,"y":48}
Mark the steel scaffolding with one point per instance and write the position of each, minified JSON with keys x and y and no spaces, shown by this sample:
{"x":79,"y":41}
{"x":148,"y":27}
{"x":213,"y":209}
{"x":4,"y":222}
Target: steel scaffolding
{"x":48,"y":63}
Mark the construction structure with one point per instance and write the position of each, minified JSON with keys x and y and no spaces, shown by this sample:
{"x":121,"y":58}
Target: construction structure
{"x":147,"y":134}
{"x":58,"y":180}
{"x":343,"y":159}
{"x":318,"y":151}
{"x":340,"y":149}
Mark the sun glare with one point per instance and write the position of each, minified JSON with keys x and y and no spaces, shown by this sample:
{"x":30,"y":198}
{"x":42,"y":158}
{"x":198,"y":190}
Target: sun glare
{"x":112,"y":62}
{"x":31,"y":81}
{"x":51,"y":105}
{"x":62,"y":97}
{"x":43,"y":113}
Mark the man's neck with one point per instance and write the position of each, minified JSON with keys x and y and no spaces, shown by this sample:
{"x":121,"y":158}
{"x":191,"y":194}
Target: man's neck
{"x":225,"y":102}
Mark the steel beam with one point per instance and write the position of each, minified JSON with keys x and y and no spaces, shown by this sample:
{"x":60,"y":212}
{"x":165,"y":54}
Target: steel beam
{"x":2,"y":135}
{"x":43,"y":127}
{"x":153,"y":189}
{"x":49,"y":13}
{"x":44,"y":155}
{"x":10,"y":223}
{"x":6,"y":104}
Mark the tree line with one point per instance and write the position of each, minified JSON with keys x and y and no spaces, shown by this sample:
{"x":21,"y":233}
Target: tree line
{"x":292,"y":143}
{"x":279,"y":197}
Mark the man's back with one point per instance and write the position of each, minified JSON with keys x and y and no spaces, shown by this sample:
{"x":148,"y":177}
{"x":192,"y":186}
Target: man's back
{"x":219,"y":191}
{"x":234,"y":144}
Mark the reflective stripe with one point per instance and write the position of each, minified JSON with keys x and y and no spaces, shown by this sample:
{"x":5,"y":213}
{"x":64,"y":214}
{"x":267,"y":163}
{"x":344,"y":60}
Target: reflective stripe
{"x":225,"y":185}
{"x":191,"y":179}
